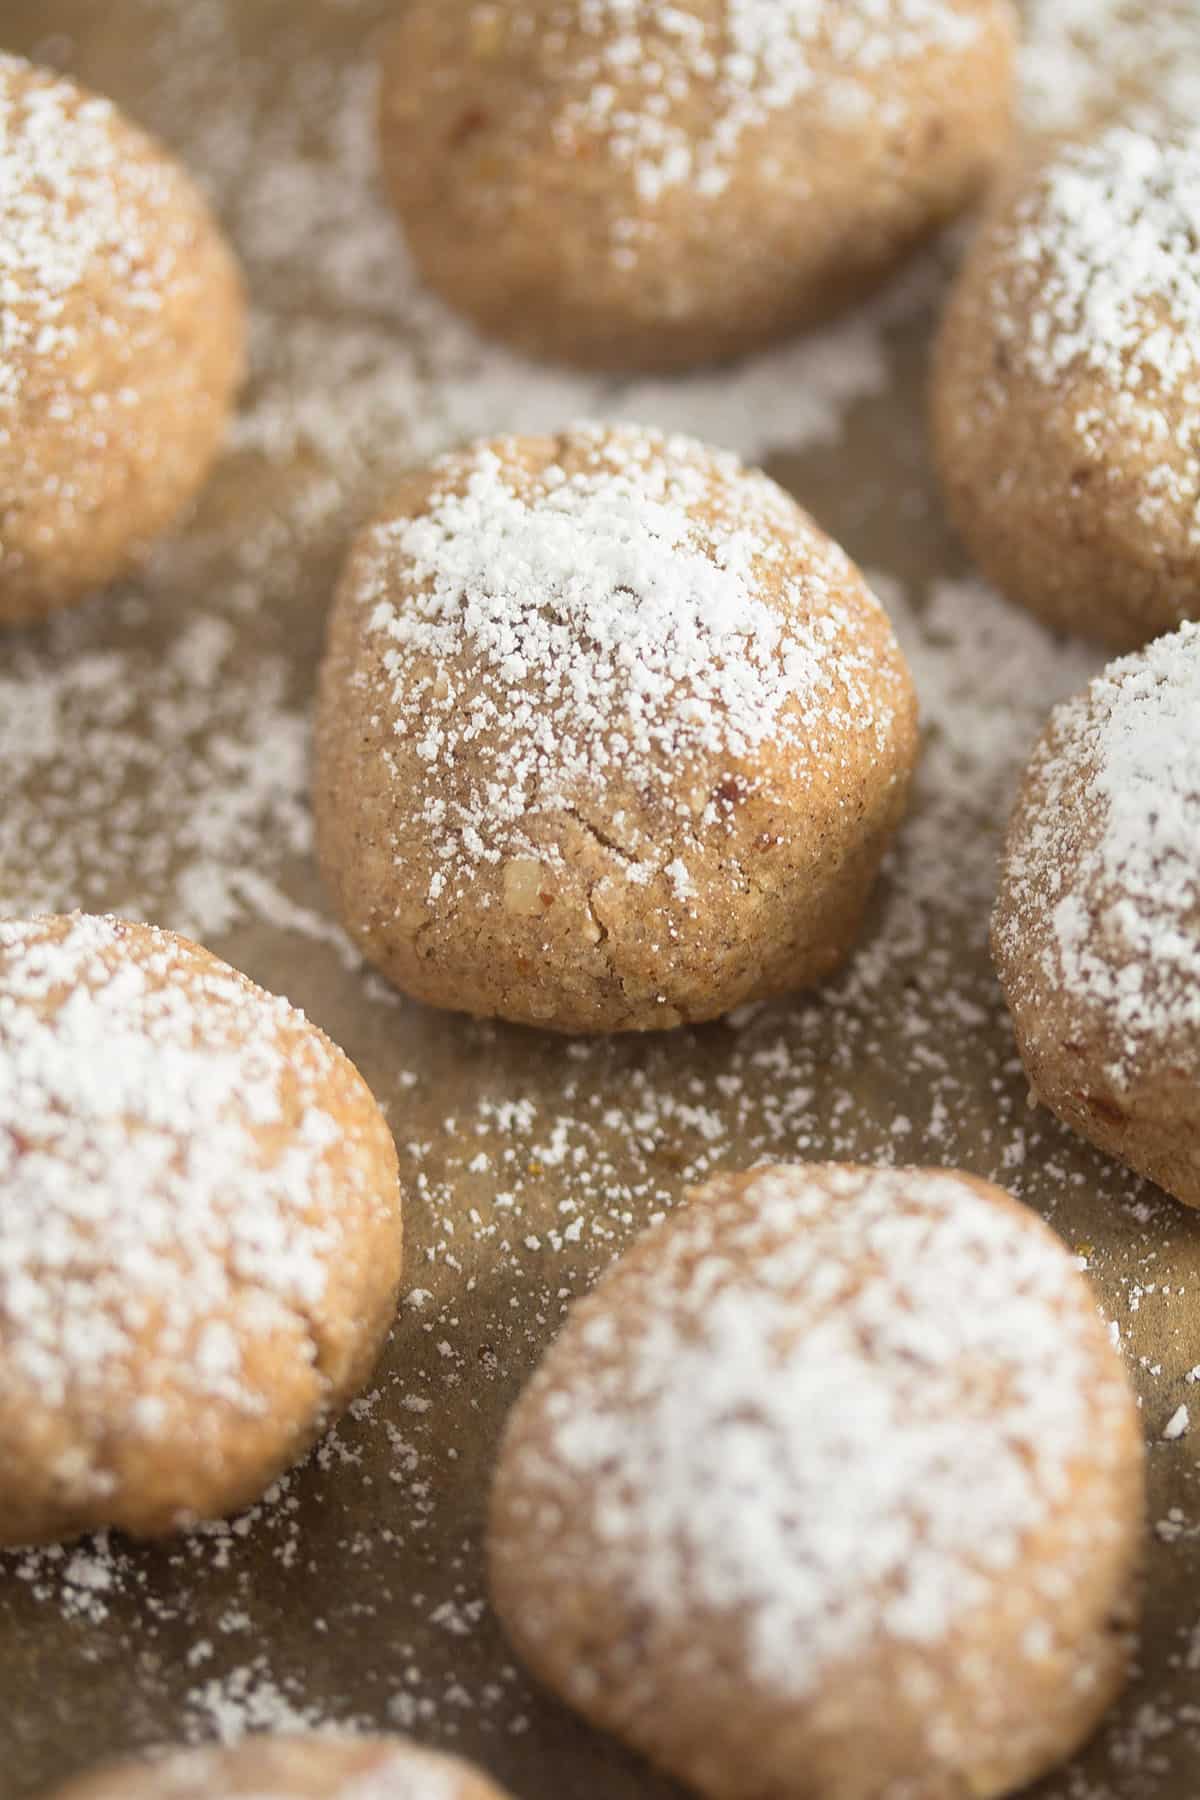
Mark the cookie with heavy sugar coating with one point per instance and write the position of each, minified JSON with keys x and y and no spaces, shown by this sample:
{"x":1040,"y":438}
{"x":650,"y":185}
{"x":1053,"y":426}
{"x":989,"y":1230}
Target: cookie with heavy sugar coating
{"x":200,"y":1231}
{"x":831,"y":1487}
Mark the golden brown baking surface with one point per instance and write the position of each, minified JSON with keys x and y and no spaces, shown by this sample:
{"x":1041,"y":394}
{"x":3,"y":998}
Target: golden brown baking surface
{"x":636,"y":188}
{"x":832,"y":1487}
{"x":123,"y":341}
{"x":200,"y":1239}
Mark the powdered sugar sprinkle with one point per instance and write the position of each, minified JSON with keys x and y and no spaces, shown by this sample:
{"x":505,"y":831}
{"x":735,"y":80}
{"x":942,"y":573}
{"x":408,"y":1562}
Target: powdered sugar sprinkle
{"x":144,"y":1221}
{"x":1113,"y":233}
{"x":1121,"y":777}
{"x":69,"y":198}
{"x":758,"y":57}
{"x":561,"y":626}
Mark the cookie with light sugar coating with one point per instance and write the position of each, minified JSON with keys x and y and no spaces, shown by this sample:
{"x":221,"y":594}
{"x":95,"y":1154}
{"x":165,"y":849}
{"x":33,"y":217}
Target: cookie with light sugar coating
{"x":636,"y":186}
{"x":832,"y":1487}
{"x":300,"y":1767}
{"x":1066,"y":388}
{"x":123,"y":341}
{"x":611,"y":736}
{"x":200,"y":1231}
{"x":1096,"y":930}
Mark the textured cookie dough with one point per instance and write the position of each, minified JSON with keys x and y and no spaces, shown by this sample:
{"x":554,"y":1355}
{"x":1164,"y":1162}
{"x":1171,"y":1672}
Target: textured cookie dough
{"x":122,"y":341}
{"x":622,"y":184}
{"x":290,"y":1768}
{"x":200,"y":1231}
{"x":611,"y":736}
{"x":833,"y":1486}
{"x":1096,"y":932}
{"x":1066,"y":389}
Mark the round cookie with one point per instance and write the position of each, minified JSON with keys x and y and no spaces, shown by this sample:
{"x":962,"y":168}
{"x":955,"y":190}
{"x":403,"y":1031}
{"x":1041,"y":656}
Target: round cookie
{"x":200,"y":1235}
{"x":611,"y":736}
{"x":300,"y":1767}
{"x":1096,"y":931}
{"x":833,"y":1485}
{"x":624,"y":185}
{"x":1066,"y":389}
{"x":122,"y":343}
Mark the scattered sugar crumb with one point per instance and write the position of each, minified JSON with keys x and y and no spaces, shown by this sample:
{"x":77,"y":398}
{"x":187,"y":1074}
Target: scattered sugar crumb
{"x":1177,"y":1425}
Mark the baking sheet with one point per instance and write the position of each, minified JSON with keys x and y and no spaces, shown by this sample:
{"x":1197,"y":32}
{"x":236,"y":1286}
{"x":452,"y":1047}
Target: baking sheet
{"x":153,"y":760}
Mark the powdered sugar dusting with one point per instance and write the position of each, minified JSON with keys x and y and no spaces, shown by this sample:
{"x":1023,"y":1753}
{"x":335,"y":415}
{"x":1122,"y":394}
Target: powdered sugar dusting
{"x":245,"y":1701}
{"x":1098,"y":295}
{"x":1082,"y":60}
{"x":69,"y":199}
{"x":143,"y":1222}
{"x":612,"y":613}
{"x":809,"y":1356}
{"x":759,"y":58}
{"x":1114,"y":233}
{"x":402,"y":1776}
{"x":398,"y":1779}
{"x":1121,"y":777}
{"x":187,"y":791}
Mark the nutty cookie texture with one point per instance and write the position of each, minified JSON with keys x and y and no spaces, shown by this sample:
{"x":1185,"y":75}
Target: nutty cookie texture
{"x":301,"y":1767}
{"x":830,"y":1490}
{"x":1066,"y":388}
{"x":1096,"y":931}
{"x":621,"y":184}
{"x":200,"y":1234}
{"x":121,"y":342}
{"x":611,"y":736}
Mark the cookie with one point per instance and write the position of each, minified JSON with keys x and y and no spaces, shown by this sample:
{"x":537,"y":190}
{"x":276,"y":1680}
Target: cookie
{"x":122,"y":342}
{"x":611,"y":736}
{"x":200,"y":1232}
{"x":1096,"y":931}
{"x":1066,"y":389}
{"x":832,"y":1486}
{"x":302,"y":1767}
{"x":624,"y":185}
